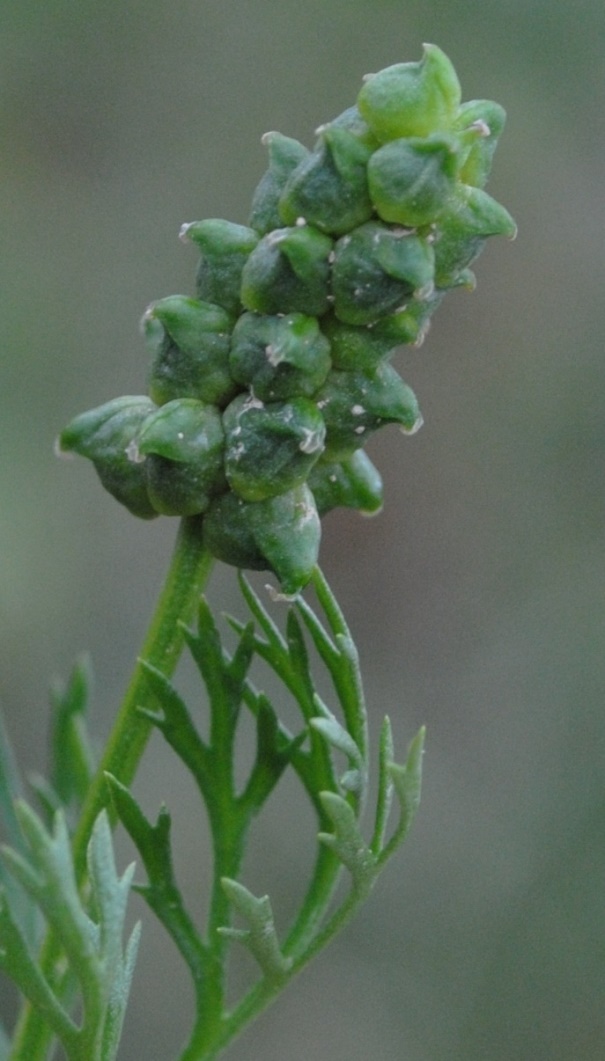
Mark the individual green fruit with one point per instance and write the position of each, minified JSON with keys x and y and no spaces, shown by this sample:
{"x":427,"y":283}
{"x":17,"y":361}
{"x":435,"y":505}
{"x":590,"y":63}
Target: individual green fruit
{"x":356,"y":347}
{"x":411,"y":181}
{"x":329,"y":188}
{"x":289,"y":272}
{"x":190,"y":342}
{"x":228,"y":535}
{"x":284,"y":156}
{"x":460,"y":236}
{"x":279,"y":357}
{"x":411,"y":99}
{"x":287,"y":531}
{"x":224,"y":248}
{"x":352,"y":121}
{"x":352,"y":483}
{"x":281,"y":533}
{"x":183,"y":448}
{"x":355,"y":404}
{"x":480,"y":122}
{"x":270,"y":448}
{"x":377,"y":269}
{"x":410,"y":324}
{"x":106,"y":436}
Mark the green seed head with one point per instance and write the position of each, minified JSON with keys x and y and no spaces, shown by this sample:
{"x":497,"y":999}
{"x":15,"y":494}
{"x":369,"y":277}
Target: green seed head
{"x":265,"y":387}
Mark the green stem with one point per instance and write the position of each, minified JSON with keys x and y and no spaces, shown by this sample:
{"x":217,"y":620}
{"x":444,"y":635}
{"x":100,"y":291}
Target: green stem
{"x":187,"y":575}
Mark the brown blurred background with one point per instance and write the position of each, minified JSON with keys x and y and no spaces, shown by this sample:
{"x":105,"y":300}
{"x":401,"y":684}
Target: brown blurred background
{"x":477,"y":597}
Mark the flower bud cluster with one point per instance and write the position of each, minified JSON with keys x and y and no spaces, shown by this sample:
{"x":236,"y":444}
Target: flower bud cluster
{"x":265,"y":387}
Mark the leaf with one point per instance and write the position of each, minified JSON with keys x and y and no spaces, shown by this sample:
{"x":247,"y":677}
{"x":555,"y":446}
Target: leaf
{"x":92,"y":944}
{"x":347,"y":842}
{"x":385,"y":786}
{"x":336,"y":735}
{"x":72,"y":759}
{"x":118,"y":999}
{"x":19,"y":963}
{"x":274,"y":750}
{"x":172,"y":718}
{"x":11,"y":788}
{"x":407,"y":780}
{"x":161,"y":893}
{"x":261,"y":936}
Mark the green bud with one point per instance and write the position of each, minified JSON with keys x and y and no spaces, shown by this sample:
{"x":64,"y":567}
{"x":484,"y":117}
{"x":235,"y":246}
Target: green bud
{"x":106,"y":436}
{"x":411,"y":181}
{"x":279,"y":357}
{"x":411,"y":99}
{"x":355,"y":404}
{"x":225,"y":248}
{"x":270,"y":448}
{"x":351,"y":483}
{"x":376,"y":269}
{"x":462,"y":231}
{"x":281,"y":533}
{"x":480,"y":122}
{"x":284,"y":156}
{"x":288,"y":272}
{"x":329,"y":188}
{"x":190,"y":341}
{"x":287,"y":531}
{"x":183,"y":448}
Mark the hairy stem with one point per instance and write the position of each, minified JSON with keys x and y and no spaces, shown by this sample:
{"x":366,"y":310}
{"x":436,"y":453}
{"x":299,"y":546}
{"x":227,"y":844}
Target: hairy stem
{"x":187,"y":575}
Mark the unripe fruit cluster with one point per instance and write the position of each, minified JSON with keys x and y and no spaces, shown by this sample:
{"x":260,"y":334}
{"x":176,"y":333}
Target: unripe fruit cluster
{"x":265,"y":387}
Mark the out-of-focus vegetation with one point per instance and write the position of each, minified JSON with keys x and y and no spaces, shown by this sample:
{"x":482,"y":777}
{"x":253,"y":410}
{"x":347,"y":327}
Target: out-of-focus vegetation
{"x":477,"y":597}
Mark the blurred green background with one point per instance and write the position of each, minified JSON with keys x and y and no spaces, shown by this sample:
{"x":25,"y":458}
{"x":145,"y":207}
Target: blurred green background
{"x":476,"y":597}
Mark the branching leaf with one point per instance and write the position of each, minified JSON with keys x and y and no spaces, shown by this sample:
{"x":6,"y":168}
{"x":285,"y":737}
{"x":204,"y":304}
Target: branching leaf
{"x":273,"y":753}
{"x":347,"y":842}
{"x":162,"y":893}
{"x":223,"y":679}
{"x":407,"y":783}
{"x":340,"y":657}
{"x":172,"y":718}
{"x":261,"y":936}
{"x":92,"y":944}
{"x":407,"y":780}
